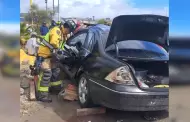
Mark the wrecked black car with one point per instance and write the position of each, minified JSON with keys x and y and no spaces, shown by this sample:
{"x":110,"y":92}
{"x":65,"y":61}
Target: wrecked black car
{"x":122,"y":67}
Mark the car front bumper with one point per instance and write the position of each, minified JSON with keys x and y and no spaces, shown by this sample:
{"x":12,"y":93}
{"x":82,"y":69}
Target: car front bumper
{"x":128,"y":101}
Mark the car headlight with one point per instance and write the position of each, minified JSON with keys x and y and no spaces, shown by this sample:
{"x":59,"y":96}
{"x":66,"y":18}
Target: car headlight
{"x":121,"y":75}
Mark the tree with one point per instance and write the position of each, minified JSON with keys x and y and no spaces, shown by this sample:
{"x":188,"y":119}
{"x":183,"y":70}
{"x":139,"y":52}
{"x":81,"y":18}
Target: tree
{"x":38,"y":16}
{"x":101,"y":21}
{"x":22,"y":28}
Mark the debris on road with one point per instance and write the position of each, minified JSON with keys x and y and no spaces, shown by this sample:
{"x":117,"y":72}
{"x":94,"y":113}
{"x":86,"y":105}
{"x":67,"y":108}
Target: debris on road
{"x":90,"y":111}
{"x":24,"y":83}
{"x":32,"y":95}
{"x":24,"y":68}
{"x":25,"y":74}
{"x":21,"y":91}
{"x":69,"y":93}
{"x":28,"y":107}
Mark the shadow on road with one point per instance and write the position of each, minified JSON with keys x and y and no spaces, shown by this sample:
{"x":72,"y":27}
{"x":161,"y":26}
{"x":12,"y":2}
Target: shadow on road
{"x":67,"y":111}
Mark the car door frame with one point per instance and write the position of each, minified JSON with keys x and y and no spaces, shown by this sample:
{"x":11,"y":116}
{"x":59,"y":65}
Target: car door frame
{"x":74,"y":69}
{"x":89,"y":49}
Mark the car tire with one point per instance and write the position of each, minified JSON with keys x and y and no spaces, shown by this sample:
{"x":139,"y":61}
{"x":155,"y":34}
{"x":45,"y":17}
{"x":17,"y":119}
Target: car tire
{"x":84,"y":97}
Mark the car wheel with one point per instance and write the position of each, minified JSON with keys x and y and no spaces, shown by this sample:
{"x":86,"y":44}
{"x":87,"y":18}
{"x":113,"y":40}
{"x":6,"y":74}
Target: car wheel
{"x":84,"y":97}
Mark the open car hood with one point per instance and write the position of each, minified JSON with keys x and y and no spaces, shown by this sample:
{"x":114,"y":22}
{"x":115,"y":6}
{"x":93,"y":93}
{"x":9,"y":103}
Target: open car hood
{"x":152,"y":28}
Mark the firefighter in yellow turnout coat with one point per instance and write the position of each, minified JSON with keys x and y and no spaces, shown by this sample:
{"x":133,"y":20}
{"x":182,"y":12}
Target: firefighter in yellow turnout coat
{"x":48,"y":76}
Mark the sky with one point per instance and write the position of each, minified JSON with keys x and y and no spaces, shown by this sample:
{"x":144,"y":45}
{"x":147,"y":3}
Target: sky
{"x":179,"y":19}
{"x":10,"y":16}
{"x":102,"y":8}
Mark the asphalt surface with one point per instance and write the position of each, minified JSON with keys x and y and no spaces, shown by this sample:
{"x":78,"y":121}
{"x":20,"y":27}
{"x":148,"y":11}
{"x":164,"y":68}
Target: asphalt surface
{"x":179,"y":103}
{"x":9,"y":100}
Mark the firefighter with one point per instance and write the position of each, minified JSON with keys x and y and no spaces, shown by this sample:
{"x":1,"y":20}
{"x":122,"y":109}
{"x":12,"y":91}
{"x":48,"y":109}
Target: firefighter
{"x":67,"y":33}
{"x":53,"y":24}
{"x":49,"y":73}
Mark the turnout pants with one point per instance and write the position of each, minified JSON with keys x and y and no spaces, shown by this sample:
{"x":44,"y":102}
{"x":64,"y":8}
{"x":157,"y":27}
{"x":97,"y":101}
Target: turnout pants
{"x":48,"y":76}
{"x":55,"y":82}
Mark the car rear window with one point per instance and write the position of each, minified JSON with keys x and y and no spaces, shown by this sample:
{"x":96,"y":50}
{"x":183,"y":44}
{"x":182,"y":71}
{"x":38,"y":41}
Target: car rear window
{"x":138,"y":49}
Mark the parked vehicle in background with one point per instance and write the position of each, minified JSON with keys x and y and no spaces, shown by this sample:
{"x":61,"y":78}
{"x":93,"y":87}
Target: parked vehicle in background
{"x":124,"y":67}
{"x":179,"y":60}
{"x":10,"y":61}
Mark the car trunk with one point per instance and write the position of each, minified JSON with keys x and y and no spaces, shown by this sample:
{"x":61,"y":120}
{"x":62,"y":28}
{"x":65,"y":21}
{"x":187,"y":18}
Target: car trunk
{"x":150,"y":74}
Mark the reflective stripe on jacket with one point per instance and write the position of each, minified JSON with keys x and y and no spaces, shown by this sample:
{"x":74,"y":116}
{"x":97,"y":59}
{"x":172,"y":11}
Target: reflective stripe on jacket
{"x":61,"y":46}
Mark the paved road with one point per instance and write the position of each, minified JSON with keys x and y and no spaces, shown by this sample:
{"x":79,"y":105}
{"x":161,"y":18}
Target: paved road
{"x":9,"y":100}
{"x":180,"y":103}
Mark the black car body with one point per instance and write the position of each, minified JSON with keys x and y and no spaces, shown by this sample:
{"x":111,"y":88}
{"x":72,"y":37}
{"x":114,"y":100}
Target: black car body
{"x":124,"y":66}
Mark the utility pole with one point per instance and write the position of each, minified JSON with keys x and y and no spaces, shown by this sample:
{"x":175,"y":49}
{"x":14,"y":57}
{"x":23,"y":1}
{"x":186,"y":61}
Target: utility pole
{"x":53,"y":6}
{"x":46,"y":4}
{"x":58,"y":12}
{"x":31,"y":12}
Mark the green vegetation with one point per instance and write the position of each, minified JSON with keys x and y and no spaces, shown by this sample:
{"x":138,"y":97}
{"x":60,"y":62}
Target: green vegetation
{"x":8,"y":40}
{"x":101,"y":21}
{"x":38,"y":16}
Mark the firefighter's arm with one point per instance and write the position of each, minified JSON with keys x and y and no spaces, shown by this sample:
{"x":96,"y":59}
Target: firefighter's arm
{"x":55,"y":37}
